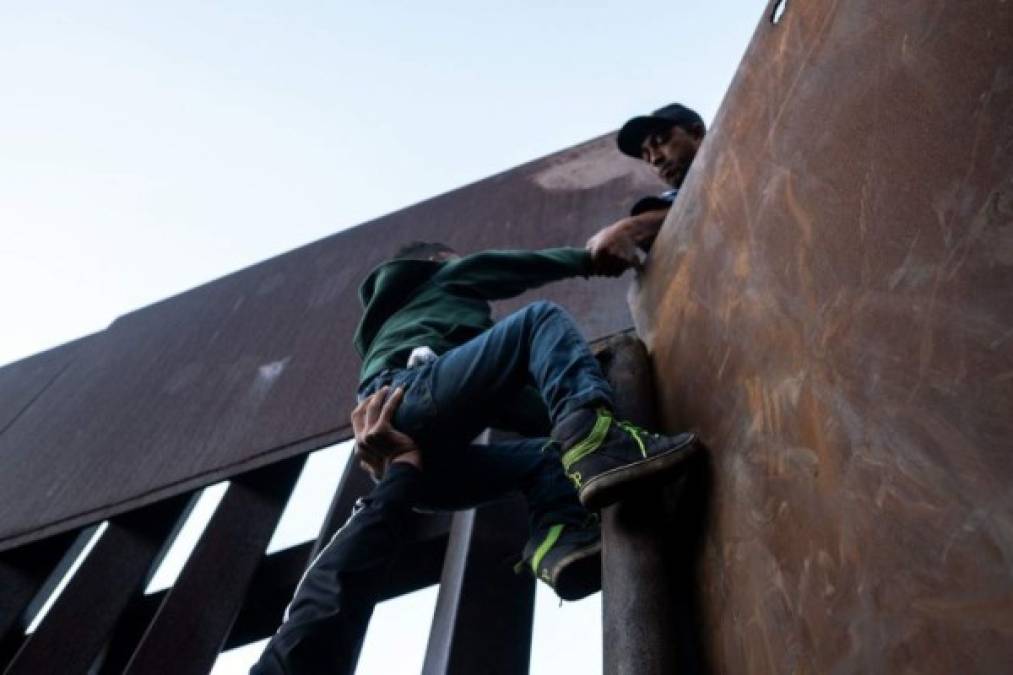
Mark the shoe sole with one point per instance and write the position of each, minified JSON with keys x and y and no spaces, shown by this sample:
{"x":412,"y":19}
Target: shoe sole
{"x":613,"y":485}
{"x":578,"y":574}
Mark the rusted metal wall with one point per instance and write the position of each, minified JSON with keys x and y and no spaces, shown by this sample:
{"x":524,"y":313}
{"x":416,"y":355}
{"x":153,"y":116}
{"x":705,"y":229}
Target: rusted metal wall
{"x":830,"y":304}
{"x":258,"y":365}
{"x":23,"y":382}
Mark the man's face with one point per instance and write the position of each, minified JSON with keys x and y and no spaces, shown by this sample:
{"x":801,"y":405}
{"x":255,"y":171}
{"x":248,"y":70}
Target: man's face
{"x":670,"y":152}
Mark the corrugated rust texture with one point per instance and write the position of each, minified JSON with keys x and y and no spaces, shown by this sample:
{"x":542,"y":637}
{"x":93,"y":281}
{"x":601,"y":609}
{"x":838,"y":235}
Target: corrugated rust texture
{"x":830,"y":304}
{"x":258,"y":365}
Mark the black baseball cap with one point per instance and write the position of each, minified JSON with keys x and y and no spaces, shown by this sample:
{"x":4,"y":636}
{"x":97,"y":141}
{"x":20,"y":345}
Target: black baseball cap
{"x":633,"y":133}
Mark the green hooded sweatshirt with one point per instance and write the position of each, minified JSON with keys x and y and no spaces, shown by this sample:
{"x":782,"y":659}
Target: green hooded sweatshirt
{"x":415,"y":303}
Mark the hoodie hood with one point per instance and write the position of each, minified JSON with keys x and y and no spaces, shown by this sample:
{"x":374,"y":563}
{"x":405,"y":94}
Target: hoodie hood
{"x":385,"y":291}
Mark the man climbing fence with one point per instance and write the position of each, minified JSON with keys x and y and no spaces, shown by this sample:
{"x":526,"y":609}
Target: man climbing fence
{"x":415,"y":426}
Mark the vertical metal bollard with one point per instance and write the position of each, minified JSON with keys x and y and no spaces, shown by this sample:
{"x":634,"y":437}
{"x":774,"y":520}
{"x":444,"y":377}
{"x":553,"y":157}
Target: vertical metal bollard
{"x":646,"y":594}
{"x":484,"y":611}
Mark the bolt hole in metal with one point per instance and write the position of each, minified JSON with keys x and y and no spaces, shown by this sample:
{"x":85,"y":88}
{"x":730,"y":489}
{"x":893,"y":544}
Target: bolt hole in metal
{"x":778,"y":11}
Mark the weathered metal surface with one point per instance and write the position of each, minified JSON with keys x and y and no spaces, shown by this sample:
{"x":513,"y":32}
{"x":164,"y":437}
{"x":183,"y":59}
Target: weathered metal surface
{"x":648,"y":542}
{"x":445,"y":614}
{"x":260,"y":615}
{"x":78,"y":624}
{"x":183,"y":639}
{"x":137,"y":614}
{"x":830,"y":304}
{"x":23,"y":576}
{"x":257,"y":366}
{"x":270,"y":592}
{"x":22,"y":382}
{"x":484,"y":610}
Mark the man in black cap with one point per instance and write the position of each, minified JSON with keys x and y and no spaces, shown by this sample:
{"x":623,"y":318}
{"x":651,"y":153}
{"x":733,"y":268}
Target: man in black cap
{"x":668,"y":140}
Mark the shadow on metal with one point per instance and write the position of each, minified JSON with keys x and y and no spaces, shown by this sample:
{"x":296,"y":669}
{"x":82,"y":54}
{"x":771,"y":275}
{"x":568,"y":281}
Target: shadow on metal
{"x":651,"y":544}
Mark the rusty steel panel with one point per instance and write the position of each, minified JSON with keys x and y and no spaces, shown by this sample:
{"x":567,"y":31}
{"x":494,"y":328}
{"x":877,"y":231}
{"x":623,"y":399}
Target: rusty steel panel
{"x":82,"y":619}
{"x":276,"y":576}
{"x":258,"y":366}
{"x":829,"y":303}
{"x":23,"y":576}
{"x":180,"y":640}
{"x":24,"y":381}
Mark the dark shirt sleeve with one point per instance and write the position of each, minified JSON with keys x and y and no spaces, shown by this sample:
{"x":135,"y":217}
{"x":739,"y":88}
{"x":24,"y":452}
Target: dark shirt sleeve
{"x":660,"y":203}
{"x":495,"y":275}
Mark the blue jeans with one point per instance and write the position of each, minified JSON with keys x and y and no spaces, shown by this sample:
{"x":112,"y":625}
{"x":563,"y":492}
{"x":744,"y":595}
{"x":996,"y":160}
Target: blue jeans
{"x":446,"y":404}
{"x":480,"y":384}
{"x":449,"y":401}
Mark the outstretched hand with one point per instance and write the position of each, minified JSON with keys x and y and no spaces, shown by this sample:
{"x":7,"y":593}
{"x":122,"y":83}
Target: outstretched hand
{"x":613,"y":250}
{"x":377,"y":442}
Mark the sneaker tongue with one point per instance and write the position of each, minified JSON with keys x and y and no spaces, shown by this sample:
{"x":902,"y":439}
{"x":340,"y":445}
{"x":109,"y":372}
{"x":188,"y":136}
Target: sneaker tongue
{"x":574,"y":427}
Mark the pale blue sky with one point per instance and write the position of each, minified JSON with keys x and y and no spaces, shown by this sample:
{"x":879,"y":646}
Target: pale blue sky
{"x":148,"y":148}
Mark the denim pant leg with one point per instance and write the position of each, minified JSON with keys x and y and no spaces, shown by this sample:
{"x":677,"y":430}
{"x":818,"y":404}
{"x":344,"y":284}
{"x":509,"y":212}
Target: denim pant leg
{"x":461,"y":393}
{"x":476,"y":474}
